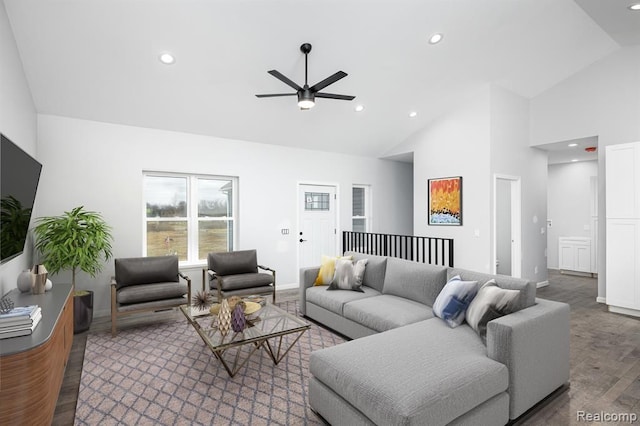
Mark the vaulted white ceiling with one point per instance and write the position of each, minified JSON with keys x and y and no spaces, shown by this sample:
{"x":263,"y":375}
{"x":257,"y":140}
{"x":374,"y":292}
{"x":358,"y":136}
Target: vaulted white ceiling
{"x":98,"y":60}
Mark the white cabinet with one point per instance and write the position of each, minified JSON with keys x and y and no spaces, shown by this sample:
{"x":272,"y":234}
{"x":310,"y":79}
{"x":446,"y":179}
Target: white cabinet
{"x":623,"y":271}
{"x":575,"y":254}
{"x":623,"y":181}
{"x":623,"y":228}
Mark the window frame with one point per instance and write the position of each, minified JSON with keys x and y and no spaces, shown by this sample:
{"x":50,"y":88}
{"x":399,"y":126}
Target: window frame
{"x":192,"y":218}
{"x":368,"y":219}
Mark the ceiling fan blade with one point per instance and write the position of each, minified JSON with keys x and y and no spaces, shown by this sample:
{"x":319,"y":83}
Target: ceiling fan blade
{"x":285,"y":80}
{"x":334,"y":96}
{"x":273,"y":95}
{"x":327,"y":81}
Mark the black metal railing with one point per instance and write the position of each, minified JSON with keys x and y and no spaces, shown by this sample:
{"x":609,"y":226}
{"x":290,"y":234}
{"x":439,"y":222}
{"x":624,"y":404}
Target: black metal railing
{"x":434,"y":251}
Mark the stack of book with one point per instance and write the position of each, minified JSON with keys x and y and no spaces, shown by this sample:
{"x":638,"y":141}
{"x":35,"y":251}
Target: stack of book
{"x":19,"y":321}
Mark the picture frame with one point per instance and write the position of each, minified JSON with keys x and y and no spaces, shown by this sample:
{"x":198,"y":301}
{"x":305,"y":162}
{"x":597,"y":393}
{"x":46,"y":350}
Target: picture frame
{"x":444,"y":205}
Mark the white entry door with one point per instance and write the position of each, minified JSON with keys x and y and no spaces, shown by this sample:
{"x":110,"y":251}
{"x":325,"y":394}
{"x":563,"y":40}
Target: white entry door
{"x":317,"y":233}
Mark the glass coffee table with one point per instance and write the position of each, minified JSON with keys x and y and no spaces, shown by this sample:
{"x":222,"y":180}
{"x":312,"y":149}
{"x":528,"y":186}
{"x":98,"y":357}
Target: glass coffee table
{"x":272,"y":328}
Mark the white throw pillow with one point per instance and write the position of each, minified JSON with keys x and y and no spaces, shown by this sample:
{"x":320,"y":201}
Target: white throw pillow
{"x":454,"y":299}
{"x":490,"y":303}
{"x":348,"y":275}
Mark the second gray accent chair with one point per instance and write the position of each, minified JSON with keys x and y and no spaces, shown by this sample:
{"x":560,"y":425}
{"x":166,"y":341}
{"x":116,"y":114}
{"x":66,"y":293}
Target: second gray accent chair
{"x":236,"y":273}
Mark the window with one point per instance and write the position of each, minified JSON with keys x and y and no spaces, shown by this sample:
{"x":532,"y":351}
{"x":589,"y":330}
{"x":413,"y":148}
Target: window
{"x":361,"y":208}
{"x":189,"y":215}
{"x":316,"y":201}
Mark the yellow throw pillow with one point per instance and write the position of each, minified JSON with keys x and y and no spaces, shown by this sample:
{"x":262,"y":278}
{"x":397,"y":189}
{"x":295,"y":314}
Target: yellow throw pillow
{"x":328,"y":269}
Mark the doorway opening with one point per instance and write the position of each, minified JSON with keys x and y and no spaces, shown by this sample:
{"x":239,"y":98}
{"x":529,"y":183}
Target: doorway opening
{"x":507,"y":233}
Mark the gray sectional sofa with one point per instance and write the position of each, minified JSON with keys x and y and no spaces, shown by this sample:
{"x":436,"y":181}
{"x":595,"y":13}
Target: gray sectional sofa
{"x":407,"y":367}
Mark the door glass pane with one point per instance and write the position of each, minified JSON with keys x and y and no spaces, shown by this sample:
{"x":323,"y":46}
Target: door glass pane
{"x":316,"y":201}
{"x":214,"y":236}
{"x":215,"y":198}
{"x":165,"y":196}
{"x":358,"y":202}
{"x":167,"y":237}
{"x":359,"y":225}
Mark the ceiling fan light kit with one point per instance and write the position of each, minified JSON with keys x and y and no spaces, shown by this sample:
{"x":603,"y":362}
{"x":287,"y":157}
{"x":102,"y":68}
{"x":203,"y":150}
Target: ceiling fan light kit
{"x":307,"y":95}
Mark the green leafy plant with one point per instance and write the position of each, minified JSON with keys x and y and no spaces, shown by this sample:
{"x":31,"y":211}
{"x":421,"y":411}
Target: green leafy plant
{"x":14,"y":221}
{"x":78,"y":239}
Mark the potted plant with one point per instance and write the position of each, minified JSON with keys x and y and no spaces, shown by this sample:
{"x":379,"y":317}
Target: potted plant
{"x":75,"y":240}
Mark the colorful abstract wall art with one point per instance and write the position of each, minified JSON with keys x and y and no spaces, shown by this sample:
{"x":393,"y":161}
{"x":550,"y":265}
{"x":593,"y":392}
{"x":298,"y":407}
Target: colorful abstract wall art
{"x":445,"y":201}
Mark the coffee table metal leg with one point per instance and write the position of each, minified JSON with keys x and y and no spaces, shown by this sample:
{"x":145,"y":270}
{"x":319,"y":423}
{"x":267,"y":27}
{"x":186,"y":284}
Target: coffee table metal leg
{"x":278,"y":356}
{"x":238,"y":361}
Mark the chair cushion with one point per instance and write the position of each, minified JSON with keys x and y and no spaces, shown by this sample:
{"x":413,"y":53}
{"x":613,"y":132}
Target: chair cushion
{"x":233,"y":262}
{"x":385,"y":312}
{"x":236,"y":282}
{"x":150,"y":292}
{"x":146,"y":270}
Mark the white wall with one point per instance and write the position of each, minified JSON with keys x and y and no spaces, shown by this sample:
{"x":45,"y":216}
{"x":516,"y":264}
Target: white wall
{"x":457,"y":145}
{"x":18,"y":122}
{"x":486,"y":135}
{"x":511,"y":155}
{"x":602,"y":100}
{"x":100,"y":166}
{"x":569,"y":203}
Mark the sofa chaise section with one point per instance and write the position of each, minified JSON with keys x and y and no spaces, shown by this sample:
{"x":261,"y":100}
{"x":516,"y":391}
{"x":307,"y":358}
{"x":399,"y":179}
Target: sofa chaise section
{"x":444,"y":374}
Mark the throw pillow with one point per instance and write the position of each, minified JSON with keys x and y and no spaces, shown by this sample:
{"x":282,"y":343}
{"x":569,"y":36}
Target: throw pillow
{"x":490,"y":303}
{"x":328,"y":269}
{"x":454,"y":299}
{"x":348,"y":275}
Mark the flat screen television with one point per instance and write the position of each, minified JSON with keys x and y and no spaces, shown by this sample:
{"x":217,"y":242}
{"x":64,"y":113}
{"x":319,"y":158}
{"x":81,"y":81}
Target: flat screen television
{"x":19,"y":177}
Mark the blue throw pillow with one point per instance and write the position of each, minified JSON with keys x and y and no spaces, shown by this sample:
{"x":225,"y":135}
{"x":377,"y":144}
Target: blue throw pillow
{"x":454,"y":299}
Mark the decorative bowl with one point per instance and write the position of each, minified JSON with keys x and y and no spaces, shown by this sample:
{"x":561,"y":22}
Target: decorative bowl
{"x":249,"y":308}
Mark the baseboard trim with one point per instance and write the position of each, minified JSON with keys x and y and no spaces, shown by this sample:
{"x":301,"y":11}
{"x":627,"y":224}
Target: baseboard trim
{"x":601,"y":299}
{"x":624,"y":311}
{"x":541,"y":284}
{"x":290,"y":286}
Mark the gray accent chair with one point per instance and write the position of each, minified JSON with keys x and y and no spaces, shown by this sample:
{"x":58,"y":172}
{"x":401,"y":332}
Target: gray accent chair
{"x":143,"y":284}
{"x":235,"y":273}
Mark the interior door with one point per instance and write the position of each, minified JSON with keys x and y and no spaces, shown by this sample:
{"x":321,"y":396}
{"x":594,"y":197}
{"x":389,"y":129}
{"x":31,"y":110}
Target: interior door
{"x":317,"y":233}
{"x":507,"y":225}
{"x":503,"y":227}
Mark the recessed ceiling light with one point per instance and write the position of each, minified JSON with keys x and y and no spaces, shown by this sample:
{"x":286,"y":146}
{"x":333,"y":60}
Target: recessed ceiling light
{"x":573,"y":144}
{"x":635,"y":7}
{"x":167,"y":58}
{"x":574,"y":160}
{"x":435,"y":38}
{"x":413,"y":114}
{"x":359,"y":108}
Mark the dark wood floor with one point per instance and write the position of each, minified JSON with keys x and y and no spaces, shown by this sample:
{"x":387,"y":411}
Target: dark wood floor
{"x":605,"y":358}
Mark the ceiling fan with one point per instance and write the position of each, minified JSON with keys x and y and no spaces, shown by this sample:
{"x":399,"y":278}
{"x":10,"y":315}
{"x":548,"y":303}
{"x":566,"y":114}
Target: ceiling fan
{"x":306,"y":95}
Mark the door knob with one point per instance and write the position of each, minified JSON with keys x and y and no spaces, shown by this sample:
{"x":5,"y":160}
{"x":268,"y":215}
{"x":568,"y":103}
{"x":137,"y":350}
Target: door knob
{"x":302,"y":241}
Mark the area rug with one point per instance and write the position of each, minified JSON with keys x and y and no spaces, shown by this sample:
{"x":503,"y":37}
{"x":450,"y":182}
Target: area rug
{"x":163,"y":374}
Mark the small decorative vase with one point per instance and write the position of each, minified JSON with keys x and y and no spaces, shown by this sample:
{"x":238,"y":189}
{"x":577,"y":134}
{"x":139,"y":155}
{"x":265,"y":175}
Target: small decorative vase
{"x":238,"y":319}
{"x":40,"y":279}
{"x":25,"y":281}
{"x":224,"y":318}
{"x":48,"y":285}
